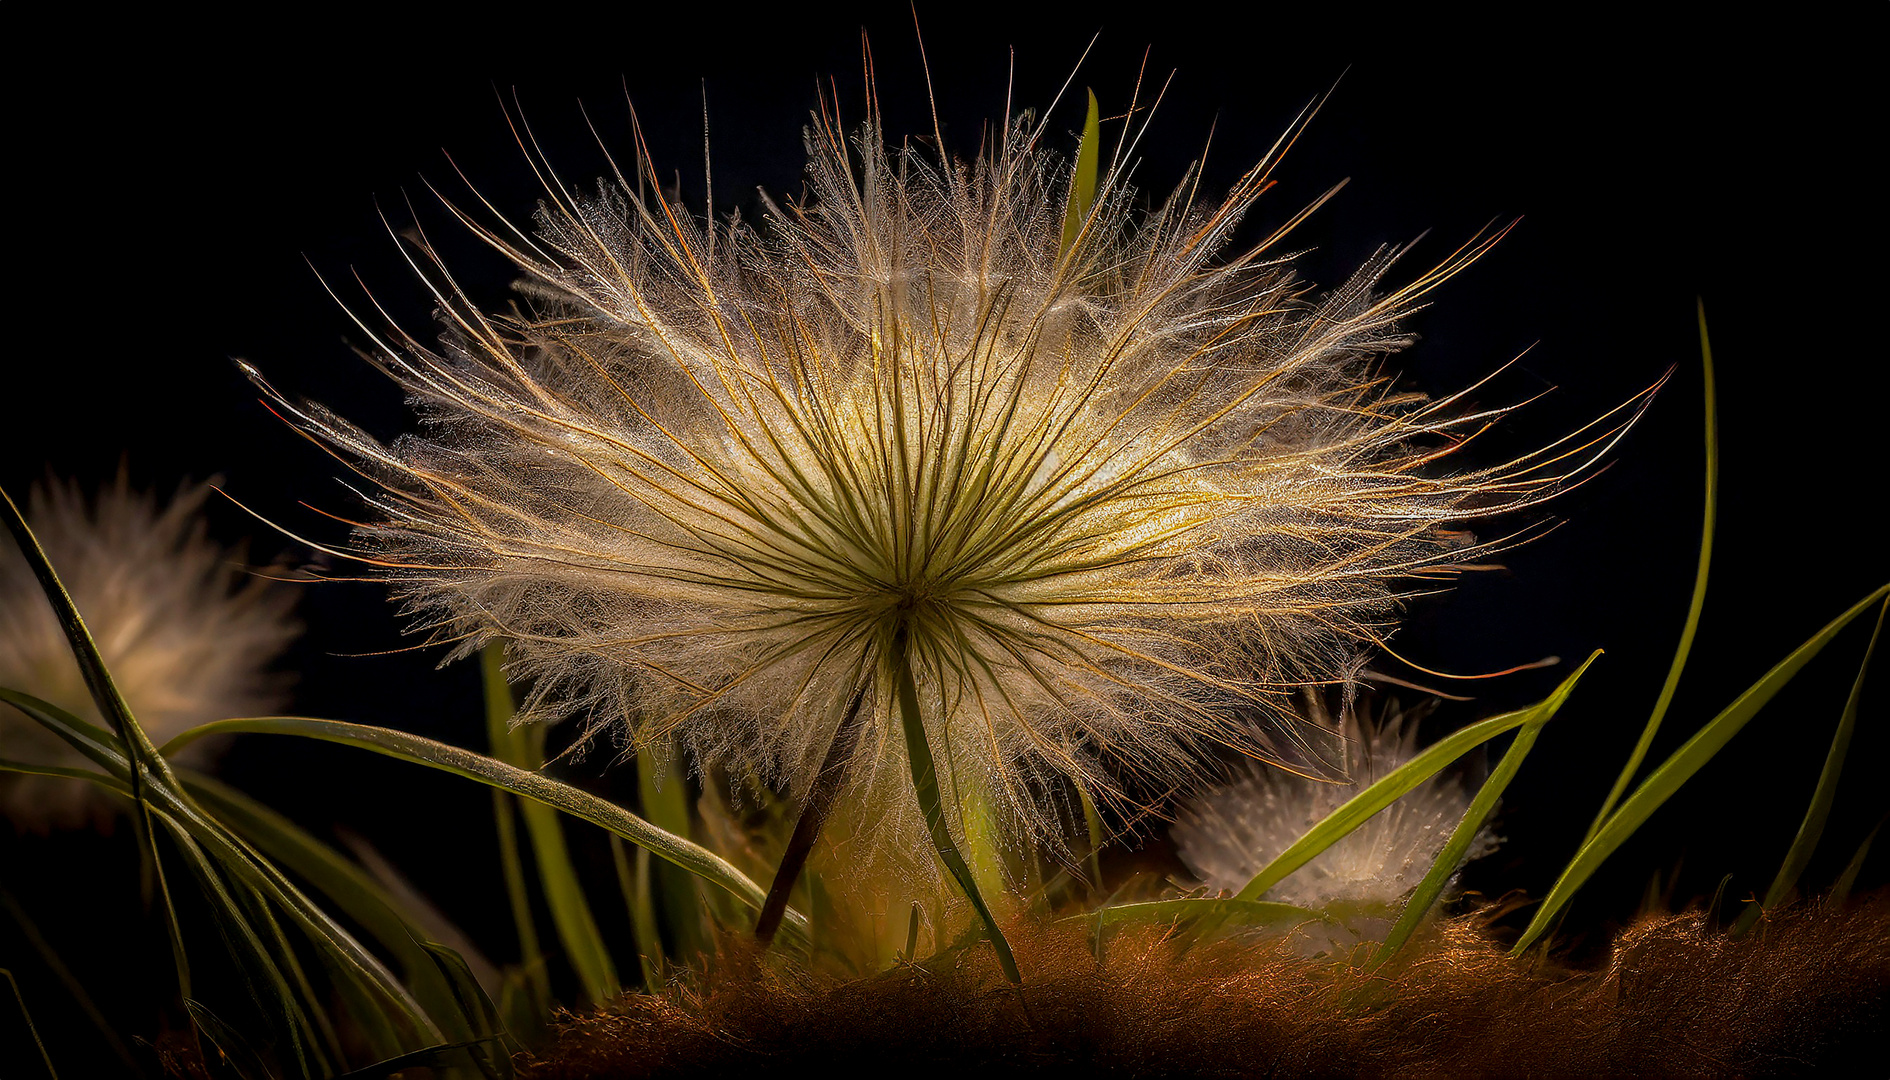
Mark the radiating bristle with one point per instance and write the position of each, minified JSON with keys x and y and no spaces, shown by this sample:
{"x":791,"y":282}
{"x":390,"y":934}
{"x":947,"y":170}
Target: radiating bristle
{"x":1125,"y":498}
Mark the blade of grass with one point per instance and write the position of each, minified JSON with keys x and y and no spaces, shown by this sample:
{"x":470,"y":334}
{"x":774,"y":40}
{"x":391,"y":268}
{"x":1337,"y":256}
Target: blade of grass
{"x":524,"y":747}
{"x":663,"y":795}
{"x":1093,"y":826}
{"x":236,"y":1051}
{"x":253,"y":958}
{"x":1811,"y":829}
{"x":1841,"y":891}
{"x":925,"y":785}
{"x":528,"y":785}
{"x":443,"y":1056}
{"x":26,"y":1016}
{"x":1082,"y":179}
{"x":1679,"y":768}
{"x":1698,"y":601}
{"x":536,"y":980}
{"x":1399,"y":782}
{"x":1220,"y":909}
{"x":635,"y":886}
{"x":346,"y":885}
{"x":111,"y":704}
{"x":1457,"y":848}
{"x":228,"y":851}
{"x":494,"y":1063}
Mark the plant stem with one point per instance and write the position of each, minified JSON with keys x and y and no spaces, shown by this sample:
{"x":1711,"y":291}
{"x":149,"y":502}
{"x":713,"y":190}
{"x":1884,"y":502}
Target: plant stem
{"x":814,"y":811}
{"x":925,"y":785}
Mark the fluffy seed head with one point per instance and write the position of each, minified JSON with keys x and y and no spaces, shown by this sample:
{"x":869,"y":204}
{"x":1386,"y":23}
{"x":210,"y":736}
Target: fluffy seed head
{"x":1227,"y":835}
{"x":1122,"y":495}
{"x":185,"y":635}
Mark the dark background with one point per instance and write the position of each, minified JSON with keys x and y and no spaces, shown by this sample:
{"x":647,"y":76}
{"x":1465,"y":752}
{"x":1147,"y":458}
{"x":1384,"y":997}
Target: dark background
{"x":177,"y":184}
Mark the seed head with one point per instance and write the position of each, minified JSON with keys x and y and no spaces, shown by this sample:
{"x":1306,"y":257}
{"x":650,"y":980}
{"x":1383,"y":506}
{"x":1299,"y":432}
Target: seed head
{"x":1229,"y":834}
{"x":184,"y":634}
{"x":1121,"y":498}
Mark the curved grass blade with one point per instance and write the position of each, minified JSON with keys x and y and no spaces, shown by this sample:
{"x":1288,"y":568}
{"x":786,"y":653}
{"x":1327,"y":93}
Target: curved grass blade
{"x":533,"y":977}
{"x":634,"y":884}
{"x":925,"y":785}
{"x":1698,"y":601}
{"x":247,"y":867}
{"x":662,"y":794}
{"x":571,"y":916}
{"x":346,"y":885}
{"x":1451,"y":858}
{"x":486,"y":770}
{"x":443,"y":1056}
{"x":492,"y":1062}
{"x":1841,"y":891}
{"x":1798,"y":856}
{"x":1400,"y":781}
{"x":238,"y":1054}
{"x":254,"y":958}
{"x":111,"y":704}
{"x":26,"y":1016}
{"x":1679,"y":768}
{"x":1221,"y":909}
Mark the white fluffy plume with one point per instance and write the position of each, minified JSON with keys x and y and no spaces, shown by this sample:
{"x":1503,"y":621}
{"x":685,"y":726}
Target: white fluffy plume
{"x":1229,"y":834}
{"x":186,"y":636}
{"x":1121,"y":496}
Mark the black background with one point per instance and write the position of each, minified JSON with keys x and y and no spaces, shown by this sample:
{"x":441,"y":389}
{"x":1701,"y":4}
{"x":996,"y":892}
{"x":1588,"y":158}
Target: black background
{"x":177,"y":183}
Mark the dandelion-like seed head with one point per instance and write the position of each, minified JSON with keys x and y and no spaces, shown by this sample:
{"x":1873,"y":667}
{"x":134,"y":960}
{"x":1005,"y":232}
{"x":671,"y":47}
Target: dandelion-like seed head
{"x":1111,"y":495}
{"x":186,"y":637}
{"x":1229,"y":834}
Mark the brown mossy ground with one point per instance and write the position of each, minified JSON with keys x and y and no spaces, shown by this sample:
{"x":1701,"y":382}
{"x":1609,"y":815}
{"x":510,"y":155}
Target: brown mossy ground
{"x":1805,"y":991}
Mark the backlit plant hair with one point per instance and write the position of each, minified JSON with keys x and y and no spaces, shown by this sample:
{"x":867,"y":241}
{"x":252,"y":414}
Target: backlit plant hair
{"x":958,"y":483}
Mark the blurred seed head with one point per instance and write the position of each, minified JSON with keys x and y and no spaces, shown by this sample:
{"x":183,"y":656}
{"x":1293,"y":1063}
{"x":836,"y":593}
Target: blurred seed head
{"x":185,"y":633}
{"x":1125,"y":494}
{"x":1229,"y":834}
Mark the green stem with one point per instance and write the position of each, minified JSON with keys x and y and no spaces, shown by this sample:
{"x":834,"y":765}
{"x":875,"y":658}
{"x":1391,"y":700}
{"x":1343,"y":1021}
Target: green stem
{"x":925,"y":785}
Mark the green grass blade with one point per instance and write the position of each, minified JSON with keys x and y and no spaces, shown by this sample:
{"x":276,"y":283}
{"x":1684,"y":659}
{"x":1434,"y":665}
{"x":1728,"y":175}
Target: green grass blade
{"x":1679,"y":768}
{"x":1445,"y":866}
{"x":1692,"y":625}
{"x":931,"y":804}
{"x":26,"y":1016}
{"x":663,"y":794}
{"x":536,"y":979}
{"x":1399,"y":782}
{"x":443,"y":1056}
{"x":347,"y":886}
{"x":228,"y":851}
{"x":524,"y":747}
{"x":638,"y":900}
{"x":237,"y":1053}
{"x":1082,"y":178}
{"x":1220,"y":909}
{"x":111,"y":704}
{"x":1798,"y":856}
{"x":528,"y":785}
{"x":98,"y":744}
{"x":1841,"y":890}
{"x":488,"y":1051}
{"x":1093,"y":826}
{"x":254,"y":959}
